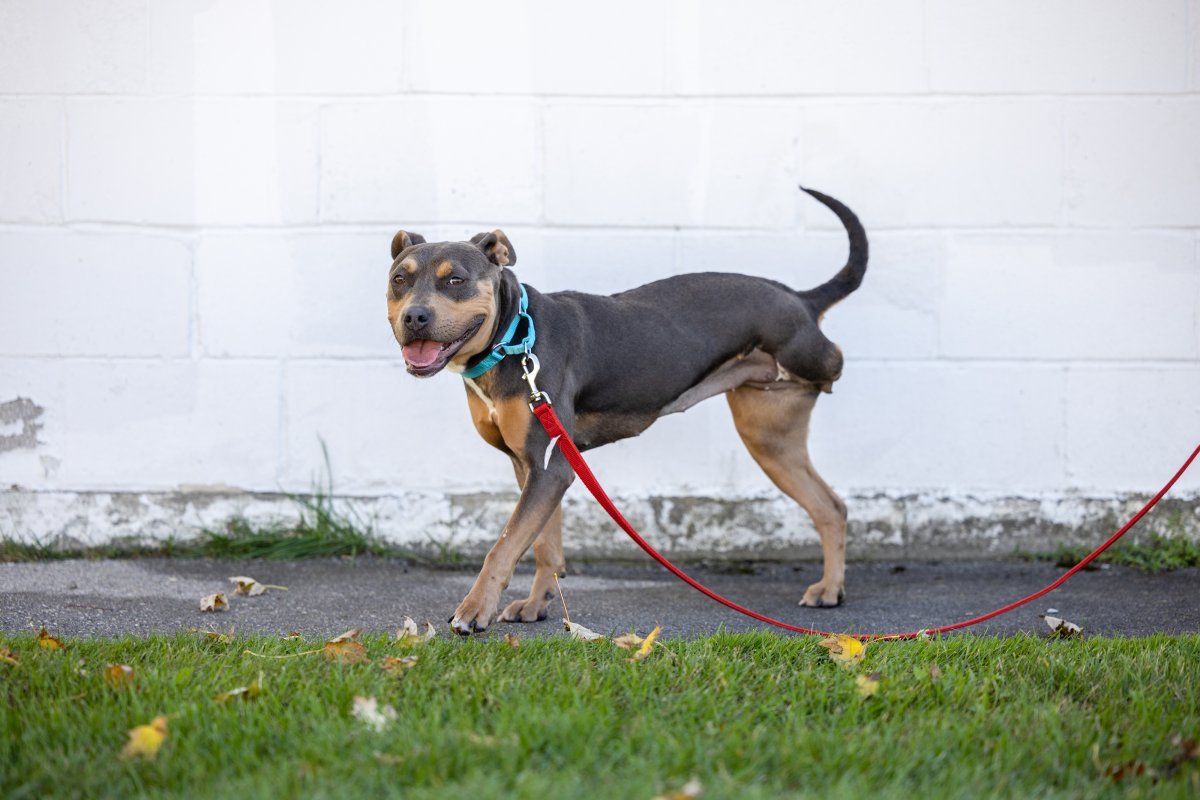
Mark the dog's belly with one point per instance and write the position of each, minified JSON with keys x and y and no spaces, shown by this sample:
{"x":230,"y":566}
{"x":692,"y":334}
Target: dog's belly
{"x":593,"y":429}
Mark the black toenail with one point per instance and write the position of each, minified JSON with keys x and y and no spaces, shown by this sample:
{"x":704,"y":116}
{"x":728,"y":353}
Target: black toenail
{"x":541,"y":615}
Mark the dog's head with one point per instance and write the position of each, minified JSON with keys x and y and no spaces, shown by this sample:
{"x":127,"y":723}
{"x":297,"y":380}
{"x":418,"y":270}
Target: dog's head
{"x":442,"y":298}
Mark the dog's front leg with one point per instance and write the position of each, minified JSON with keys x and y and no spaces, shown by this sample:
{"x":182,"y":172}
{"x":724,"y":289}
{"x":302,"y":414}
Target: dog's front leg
{"x":540,"y":499}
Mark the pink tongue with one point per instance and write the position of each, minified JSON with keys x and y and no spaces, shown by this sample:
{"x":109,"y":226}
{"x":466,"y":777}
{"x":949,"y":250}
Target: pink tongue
{"x":422,"y":352}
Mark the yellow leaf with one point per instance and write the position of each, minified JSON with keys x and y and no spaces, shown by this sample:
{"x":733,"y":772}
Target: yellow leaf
{"x":581,"y":633}
{"x":845,"y":650}
{"x":396,"y":667}
{"x":144,"y":740}
{"x":647,"y":643}
{"x":868,"y":685}
{"x":48,"y":642}
{"x":118,"y":675}
{"x":250,"y":692}
{"x":689,"y":791}
{"x":8,"y":656}
{"x":627,"y":641}
{"x":214,"y":602}
{"x":344,"y":650}
{"x":1060,"y":627}
{"x":513,"y":640}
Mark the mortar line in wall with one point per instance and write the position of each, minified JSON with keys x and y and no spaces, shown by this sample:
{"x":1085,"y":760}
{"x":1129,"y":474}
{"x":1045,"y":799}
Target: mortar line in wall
{"x":367,"y":227}
{"x":382,"y":361}
{"x":822,"y":98}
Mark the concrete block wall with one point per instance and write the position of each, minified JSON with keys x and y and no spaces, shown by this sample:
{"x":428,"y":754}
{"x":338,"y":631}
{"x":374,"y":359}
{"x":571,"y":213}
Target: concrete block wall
{"x":197,"y":198}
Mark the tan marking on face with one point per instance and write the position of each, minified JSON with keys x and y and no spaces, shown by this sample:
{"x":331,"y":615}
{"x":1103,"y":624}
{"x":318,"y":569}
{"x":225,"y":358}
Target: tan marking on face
{"x":444,"y":269}
{"x":482,"y":303}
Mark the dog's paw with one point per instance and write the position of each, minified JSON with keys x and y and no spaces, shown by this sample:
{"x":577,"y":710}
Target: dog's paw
{"x":531,"y":609}
{"x":817,"y":596}
{"x":472,"y":616}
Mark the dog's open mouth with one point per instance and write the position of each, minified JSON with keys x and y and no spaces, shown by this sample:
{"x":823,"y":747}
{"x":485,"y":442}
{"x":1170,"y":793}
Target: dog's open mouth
{"x":424,"y":357}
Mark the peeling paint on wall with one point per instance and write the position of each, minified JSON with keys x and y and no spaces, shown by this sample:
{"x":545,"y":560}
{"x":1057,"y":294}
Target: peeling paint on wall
{"x":20,"y":413}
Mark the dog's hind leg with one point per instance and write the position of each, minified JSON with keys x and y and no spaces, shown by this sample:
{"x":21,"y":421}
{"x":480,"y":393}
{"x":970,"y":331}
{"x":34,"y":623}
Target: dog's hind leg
{"x":549,"y":561}
{"x":773,"y":424}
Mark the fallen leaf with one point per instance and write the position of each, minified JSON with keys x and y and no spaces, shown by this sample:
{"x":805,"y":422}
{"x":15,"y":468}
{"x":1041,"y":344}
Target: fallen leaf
{"x":144,"y":740}
{"x":627,"y":641}
{"x":368,"y":710}
{"x":581,"y":633}
{"x":214,"y":636}
{"x":935,"y":672}
{"x":1186,"y":750}
{"x":118,"y":676}
{"x":647,"y":643}
{"x":512,"y":640}
{"x":409,"y":635}
{"x":389,"y":759}
{"x":1130,"y":769}
{"x":845,"y":650}
{"x":250,"y":692}
{"x":251,"y":587}
{"x":8,"y":656}
{"x":48,"y":642}
{"x":689,"y":791}
{"x":1062,"y":628}
{"x":396,"y":667}
{"x":344,"y":650}
{"x":214,"y":602}
{"x":292,"y":635}
{"x":868,"y":684}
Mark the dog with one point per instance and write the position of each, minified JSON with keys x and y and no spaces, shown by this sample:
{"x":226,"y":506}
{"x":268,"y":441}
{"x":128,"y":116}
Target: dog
{"x":612,"y":366}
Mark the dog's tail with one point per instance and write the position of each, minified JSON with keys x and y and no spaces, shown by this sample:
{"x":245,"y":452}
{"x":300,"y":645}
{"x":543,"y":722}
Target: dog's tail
{"x":850,"y":276}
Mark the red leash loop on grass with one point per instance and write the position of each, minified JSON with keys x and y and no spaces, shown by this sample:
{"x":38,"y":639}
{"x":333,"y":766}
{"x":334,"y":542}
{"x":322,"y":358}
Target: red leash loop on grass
{"x":554,"y":428}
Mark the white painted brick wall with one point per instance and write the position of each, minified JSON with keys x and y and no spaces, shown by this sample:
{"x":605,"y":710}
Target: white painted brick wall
{"x":197,"y":199}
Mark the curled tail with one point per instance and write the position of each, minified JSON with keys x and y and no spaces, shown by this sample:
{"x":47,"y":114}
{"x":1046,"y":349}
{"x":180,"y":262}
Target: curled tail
{"x":850,"y":276}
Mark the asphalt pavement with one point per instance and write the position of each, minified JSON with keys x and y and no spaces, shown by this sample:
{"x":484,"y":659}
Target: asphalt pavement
{"x":325,"y":597}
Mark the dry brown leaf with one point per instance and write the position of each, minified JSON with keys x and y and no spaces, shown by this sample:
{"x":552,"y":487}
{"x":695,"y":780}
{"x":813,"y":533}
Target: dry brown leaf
{"x":291,"y":635}
{"x":8,"y":656}
{"x":1061,"y":628}
{"x":396,"y":667}
{"x":250,"y":692}
{"x":512,"y":640}
{"x":935,"y":672}
{"x":647,"y":643}
{"x":118,"y":676}
{"x":581,"y":633}
{"x":689,"y":791}
{"x":48,"y":642}
{"x":868,"y":684}
{"x":344,"y":650}
{"x":214,"y":636}
{"x":145,"y":740}
{"x":628,"y":641}
{"x":216,"y":601}
{"x":845,"y":650}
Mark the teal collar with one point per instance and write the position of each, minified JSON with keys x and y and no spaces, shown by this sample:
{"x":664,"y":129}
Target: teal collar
{"x":505,"y":347}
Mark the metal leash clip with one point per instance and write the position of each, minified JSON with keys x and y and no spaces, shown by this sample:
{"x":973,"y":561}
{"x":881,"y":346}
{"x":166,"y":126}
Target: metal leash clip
{"x":535,"y":395}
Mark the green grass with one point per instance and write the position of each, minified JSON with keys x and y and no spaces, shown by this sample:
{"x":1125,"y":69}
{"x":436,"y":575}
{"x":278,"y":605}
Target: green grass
{"x":1157,"y":553}
{"x":750,"y":715}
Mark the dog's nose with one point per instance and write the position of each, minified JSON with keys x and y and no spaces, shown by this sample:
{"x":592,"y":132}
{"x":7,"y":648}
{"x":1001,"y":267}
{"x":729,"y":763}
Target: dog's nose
{"x":417,"y":317}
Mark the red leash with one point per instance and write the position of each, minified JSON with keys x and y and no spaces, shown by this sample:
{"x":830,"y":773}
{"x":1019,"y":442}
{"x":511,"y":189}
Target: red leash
{"x":545,"y":414}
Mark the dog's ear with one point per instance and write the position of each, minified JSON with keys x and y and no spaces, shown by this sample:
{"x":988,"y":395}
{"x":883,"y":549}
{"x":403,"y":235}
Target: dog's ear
{"x":404,"y":240}
{"x":496,"y":247}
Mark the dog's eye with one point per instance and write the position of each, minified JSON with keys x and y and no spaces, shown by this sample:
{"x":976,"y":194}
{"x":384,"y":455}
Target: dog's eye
{"x":398,"y":278}
{"x":454,"y":281}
